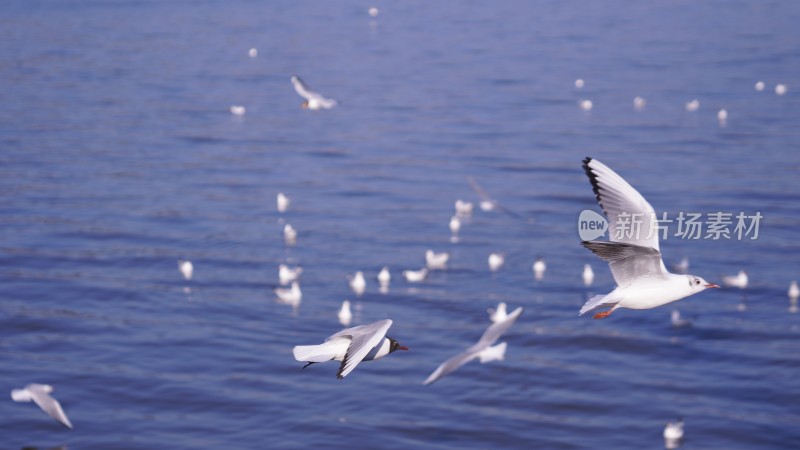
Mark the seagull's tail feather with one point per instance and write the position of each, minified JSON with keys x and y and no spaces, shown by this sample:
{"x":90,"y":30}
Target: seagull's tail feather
{"x":596,"y":302}
{"x":313,"y":353}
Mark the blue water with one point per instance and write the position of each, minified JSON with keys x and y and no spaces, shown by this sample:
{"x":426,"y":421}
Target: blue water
{"x":119,"y":157}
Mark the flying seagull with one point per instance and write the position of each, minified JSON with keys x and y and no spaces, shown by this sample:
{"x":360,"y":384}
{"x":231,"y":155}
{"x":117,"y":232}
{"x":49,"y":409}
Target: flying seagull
{"x":643,"y":281}
{"x":351,"y":346}
{"x":482,"y":349}
{"x":40,"y":394}
{"x":313,"y":100}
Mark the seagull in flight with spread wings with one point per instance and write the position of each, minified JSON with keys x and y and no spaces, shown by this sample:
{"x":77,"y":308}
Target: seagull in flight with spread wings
{"x":643,"y":281}
{"x":482,"y":349}
{"x":314,"y":100}
{"x":351,"y":346}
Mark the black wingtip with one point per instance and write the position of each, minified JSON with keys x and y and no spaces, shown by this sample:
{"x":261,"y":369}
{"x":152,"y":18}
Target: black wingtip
{"x":592,"y":179}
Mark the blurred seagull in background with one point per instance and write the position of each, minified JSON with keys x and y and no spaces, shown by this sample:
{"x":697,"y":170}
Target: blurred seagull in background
{"x":794,"y":291}
{"x":351,"y":346}
{"x":384,"y":277}
{"x":40,"y":394}
{"x":345,"y":315}
{"x":678,"y":321}
{"x":673,"y":434}
{"x":283,"y":202}
{"x":253,"y":52}
{"x":588,"y":275}
{"x":639,"y":103}
{"x":496,"y":261}
{"x":314,"y":100}
{"x":238,"y":110}
{"x":288,"y":274}
{"x":463,"y":208}
{"x":289,"y":234}
{"x":586,"y":105}
{"x":539,"y":268}
{"x":739,"y":280}
{"x":186,"y":268}
{"x":759,"y":86}
{"x":693,"y":105}
{"x":579,"y":83}
{"x":780,"y":89}
{"x":415,"y":276}
{"x":291,"y":296}
{"x":643,"y":281}
{"x":482,"y":349}
{"x":358,"y":283}
{"x":436,"y":260}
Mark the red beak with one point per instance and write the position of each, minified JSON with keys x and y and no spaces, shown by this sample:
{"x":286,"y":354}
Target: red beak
{"x":711,"y":285}
{"x":402,"y":348}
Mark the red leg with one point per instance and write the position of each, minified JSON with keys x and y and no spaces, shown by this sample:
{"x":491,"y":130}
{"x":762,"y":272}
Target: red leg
{"x":603,"y":315}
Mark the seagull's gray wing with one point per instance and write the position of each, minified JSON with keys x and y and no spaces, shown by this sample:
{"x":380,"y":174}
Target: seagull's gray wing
{"x":631,"y":219}
{"x":48,"y":404}
{"x":485,"y":197}
{"x":451,"y":365}
{"x":363,"y":339}
{"x":628,"y":261}
{"x":302,"y":89}
{"x":490,"y":336}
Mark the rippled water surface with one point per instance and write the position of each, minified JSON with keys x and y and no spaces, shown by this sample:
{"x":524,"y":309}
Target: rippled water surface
{"x":119,"y":157}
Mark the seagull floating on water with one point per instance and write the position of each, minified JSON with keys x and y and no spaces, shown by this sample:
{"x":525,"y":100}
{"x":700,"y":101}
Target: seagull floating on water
{"x":358,"y":283}
{"x":351,"y":346}
{"x":238,"y":110}
{"x":739,"y":280}
{"x":643,"y":281}
{"x":463,"y":208}
{"x":780,"y":89}
{"x":693,"y":105}
{"x":40,"y":394}
{"x":639,"y":103}
{"x":415,"y":276}
{"x":588,"y":275}
{"x":288,"y":274}
{"x":482,"y":349}
{"x":289,"y":234}
{"x":291,"y":296}
{"x":673,"y":434}
{"x":538,"y":268}
{"x":678,"y":321}
{"x":579,"y":83}
{"x":794,"y":291}
{"x":253,"y":52}
{"x":314,"y":101}
{"x":384,"y":277}
{"x":586,"y":105}
{"x":436,"y":260}
{"x":373,"y":12}
{"x":759,"y":86}
{"x":496,"y":261}
{"x":455,"y":225}
{"x":186,"y":268}
{"x":345,"y":315}
{"x":722,"y":116}
{"x":283,"y":202}
{"x":498,"y":314}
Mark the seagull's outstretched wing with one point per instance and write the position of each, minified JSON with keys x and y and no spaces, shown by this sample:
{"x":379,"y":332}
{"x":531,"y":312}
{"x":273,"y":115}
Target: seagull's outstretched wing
{"x":48,"y":404}
{"x":302,"y":89}
{"x":624,"y":206}
{"x":363,"y":338}
{"x":490,"y":336}
{"x":486,"y":198}
{"x":627,"y":261}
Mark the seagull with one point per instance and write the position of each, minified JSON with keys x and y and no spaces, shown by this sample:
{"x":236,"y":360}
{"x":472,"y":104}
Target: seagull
{"x":673,"y":432}
{"x":351,"y":346}
{"x":678,"y":321}
{"x":455,"y":225}
{"x":586,"y":105}
{"x":40,"y":394}
{"x":238,"y":110}
{"x":643,"y":281}
{"x":291,"y":296}
{"x":289,"y":234}
{"x":496,"y":261}
{"x":463,"y":208}
{"x":357,"y":283}
{"x":693,"y":105}
{"x":288,"y":274}
{"x":186,"y":268}
{"x":384,"y":277}
{"x":487,"y":203}
{"x":794,"y":291}
{"x":498,"y":314}
{"x":345,"y":316}
{"x":415,"y":276}
{"x":482,"y":349}
{"x":759,"y":86}
{"x":538,"y":268}
{"x":579,"y":83}
{"x":436,"y":260}
{"x":739,"y":280}
{"x":682,"y":266}
{"x":373,"y":12}
{"x":283,"y":202}
{"x":253,"y":52}
{"x":639,"y":103}
{"x":588,"y":275}
{"x":313,"y":101}
{"x":780,"y":89}
{"x":722,"y":116}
